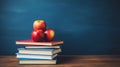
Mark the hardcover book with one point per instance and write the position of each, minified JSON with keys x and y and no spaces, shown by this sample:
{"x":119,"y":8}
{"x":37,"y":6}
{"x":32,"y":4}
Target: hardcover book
{"x":31,"y":42}
{"x":28,"y":46}
{"x":35,"y":56}
{"x":37,"y":62}
{"x":39,"y":51}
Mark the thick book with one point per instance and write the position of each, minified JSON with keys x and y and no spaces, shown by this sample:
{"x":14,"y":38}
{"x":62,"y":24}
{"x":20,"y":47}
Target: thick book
{"x":35,"y":56}
{"x":37,"y":61}
{"x":42,"y":46}
{"x":41,"y":51}
{"x":31,"y":42}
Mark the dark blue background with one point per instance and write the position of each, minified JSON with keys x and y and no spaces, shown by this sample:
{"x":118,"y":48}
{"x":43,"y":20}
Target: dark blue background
{"x":86,"y":26}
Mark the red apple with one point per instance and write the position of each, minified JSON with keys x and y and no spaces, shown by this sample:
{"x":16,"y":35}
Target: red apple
{"x":50,"y":33}
{"x":39,"y":24}
{"x":38,"y":35}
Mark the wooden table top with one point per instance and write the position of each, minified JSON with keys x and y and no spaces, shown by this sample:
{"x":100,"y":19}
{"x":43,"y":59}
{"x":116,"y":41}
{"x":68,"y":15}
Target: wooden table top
{"x":69,"y":61}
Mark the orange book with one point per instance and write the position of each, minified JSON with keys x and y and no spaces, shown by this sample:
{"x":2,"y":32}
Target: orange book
{"x":31,"y":42}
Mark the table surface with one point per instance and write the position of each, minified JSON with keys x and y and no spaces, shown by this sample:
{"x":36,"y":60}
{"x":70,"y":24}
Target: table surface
{"x":69,"y":61}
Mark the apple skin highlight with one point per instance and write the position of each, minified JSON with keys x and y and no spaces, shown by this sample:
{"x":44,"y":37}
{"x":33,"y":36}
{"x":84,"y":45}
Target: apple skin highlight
{"x":39,"y":25}
{"x":50,"y":33}
{"x":38,"y":36}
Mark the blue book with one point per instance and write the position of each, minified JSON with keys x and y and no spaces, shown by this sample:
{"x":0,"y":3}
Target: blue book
{"x":36,"y":58}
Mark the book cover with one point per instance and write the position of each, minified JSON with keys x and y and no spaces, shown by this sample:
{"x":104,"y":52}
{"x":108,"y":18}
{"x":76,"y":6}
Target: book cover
{"x":37,"y":61}
{"x":35,"y":56}
{"x":42,"y":51}
{"x":30,"y":46}
{"x":31,"y":42}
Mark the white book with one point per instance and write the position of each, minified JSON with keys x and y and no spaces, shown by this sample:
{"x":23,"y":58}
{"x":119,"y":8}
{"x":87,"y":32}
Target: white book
{"x":39,"y":51}
{"x":37,"y":62}
{"x":42,"y":46}
{"x":35,"y":56}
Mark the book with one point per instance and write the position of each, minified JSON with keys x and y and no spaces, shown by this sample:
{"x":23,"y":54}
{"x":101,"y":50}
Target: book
{"x":37,"y":62}
{"x":35,"y":56}
{"x":42,"y":46}
{"x":39,"y":51}
{"x":31,"y":42}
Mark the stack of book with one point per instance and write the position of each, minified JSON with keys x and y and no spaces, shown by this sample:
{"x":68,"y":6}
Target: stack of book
{"x":38,"y":52}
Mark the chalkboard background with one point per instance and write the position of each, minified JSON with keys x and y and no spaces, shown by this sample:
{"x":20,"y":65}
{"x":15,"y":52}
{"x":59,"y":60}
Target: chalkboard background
{"x":85,"y":26}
